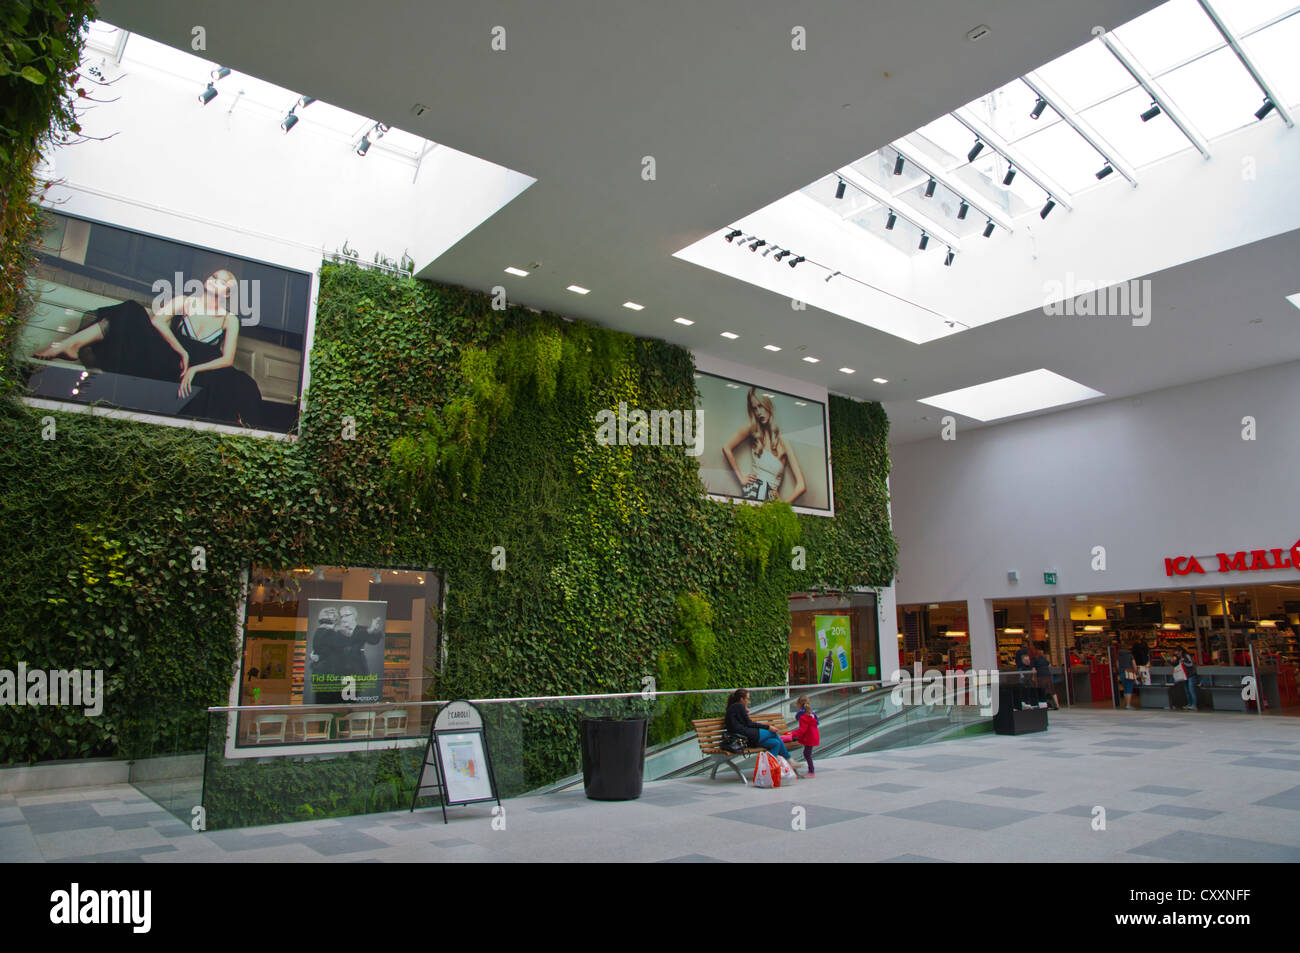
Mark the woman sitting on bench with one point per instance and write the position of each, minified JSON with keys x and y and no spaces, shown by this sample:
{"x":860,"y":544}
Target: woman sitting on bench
{"x":759,"y":736}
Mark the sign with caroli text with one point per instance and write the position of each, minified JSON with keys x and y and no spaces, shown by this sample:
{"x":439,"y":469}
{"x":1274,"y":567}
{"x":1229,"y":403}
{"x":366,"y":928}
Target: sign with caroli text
{"x":1241,"y":561}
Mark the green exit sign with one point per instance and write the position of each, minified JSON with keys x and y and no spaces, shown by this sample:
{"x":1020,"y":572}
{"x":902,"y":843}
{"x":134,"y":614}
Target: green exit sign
{"x":1049,"y":578}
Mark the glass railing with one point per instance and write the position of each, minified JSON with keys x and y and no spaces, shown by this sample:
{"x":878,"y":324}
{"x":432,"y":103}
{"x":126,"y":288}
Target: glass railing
{"x":267,"y":764}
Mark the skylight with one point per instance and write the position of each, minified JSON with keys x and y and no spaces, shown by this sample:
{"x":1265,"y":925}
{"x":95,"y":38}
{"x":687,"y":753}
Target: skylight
{"x":1009,"y":396}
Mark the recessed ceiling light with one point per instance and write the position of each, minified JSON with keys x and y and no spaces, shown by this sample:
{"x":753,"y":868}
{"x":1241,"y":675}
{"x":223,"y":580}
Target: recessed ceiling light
{"x":579,"y":289}
{"x":812,"y":360}
{"x":516,"y":271}
{"x":633,"y":306}
{"x":684,"y":321}
{"x":1018,"y":394}
{"x":770,"y":347}
{"x":800,"y":403}
{"x":880,"y":380}
{"x":1294,"y":299}
{"x":734,"y":386}
{"x":847,"y":370}
{"x":729,"y":336}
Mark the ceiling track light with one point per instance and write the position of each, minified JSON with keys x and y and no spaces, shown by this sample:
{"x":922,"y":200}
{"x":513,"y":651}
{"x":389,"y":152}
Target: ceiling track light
{"x":988,"y":229}
{"x":208,"y":94}
{"x":784,"y":253}
{"x":768,"y":250}
{"x":898,"y":166}
{"x":925,"y":240}
{"x":306,"y":101}
{"x":1011,"y":174}
{"x":733,"y":234}
{"x":1106,"y":170}
{"x":974,"y":151}
{"x":363,"y":146}
{"x":1265,"y":109}
{"x":221,"y":72}
{"x":1039,"y":106}
{"x":950,"y":257}
{"x":1151,"y":113}
{"x":963,"y":209}
{"x":796,"y":261}
{"x":757,"y":245}
{"x":839,"y":190}
{"x":1051,"y":204}
{"x":929,"y":189}
{"x":889,"y":222}
{"x":290,"y":121}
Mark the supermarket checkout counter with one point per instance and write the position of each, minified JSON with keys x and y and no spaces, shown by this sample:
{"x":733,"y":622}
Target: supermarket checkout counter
{"x":1218,"y":687}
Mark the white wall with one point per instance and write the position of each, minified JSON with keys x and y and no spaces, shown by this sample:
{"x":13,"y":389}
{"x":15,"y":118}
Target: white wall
{"x":1163,"y":474}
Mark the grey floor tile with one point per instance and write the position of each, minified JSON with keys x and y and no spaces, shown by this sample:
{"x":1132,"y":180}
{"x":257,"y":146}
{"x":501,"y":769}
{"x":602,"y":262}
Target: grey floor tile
{"x":1215,"y":848}
{"x":955,"y":762}
{"x":1148,"y":743}
{"x":1012,"y":792}
{"x":1182,"y":810}
{"x":693,"y":859}
{"x":344,"y":842}
{"x":975,"y":817}
{"x":780,"y":815}
{"x":1171,"y":792}
{"x":1083,"y":810}
{"x":890,"y":788}
{"x":1288,"y":799}
{"x":1281,"y":764}
{"x":913,"y":859}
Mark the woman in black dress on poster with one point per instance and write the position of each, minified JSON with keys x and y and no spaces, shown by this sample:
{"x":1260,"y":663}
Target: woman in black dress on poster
{"x":190,"y":339}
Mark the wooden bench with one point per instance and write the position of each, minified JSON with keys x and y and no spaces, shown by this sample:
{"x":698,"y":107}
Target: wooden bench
{"x":708,"y":732}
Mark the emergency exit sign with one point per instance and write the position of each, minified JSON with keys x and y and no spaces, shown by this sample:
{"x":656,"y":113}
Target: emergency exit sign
{"x":1049,"y":578}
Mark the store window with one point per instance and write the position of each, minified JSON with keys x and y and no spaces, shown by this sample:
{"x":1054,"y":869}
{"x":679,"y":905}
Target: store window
{"x":935,"y":634}
{"x":833,"y":639}
{"x":349,"y":639}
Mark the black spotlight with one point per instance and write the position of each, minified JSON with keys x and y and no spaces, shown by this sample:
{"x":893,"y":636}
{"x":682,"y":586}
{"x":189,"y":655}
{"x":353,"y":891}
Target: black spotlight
{"x":1105,"y":171}
{"x":963,"y":209}
{"x":988,"y":229}
{"x":1265,"y":109}
{"x":1051,"y":204}
{"x":306,"y":101}
{"x":898,"y":166}
{"x":1151,"y":113}
{"x":208,"y":94}
{"x":290,"y":121}
{"x":839,"y":190}
{"x":796,"y":261}
{"x":925,"y":240}
{"x":1039,"y":106}
{"x":733,"y":234}
{"x":1011,"y":174}
{"x":929,"y":189}
{"x":757,"y":244}
{"x":974,"y":151}
{"x":951,"y":256}
{"x":782,"y":254}
{"x":221,"y":72}
{"x":364,"y":146}
{"x":889,"y":222}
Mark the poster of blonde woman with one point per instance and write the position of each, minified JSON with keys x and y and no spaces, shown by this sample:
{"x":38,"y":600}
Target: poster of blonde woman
{"x":760,"y":444}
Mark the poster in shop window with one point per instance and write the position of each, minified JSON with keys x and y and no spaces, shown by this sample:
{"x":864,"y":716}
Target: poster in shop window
{"x":834,"y":648}
{"x":345,"y":639}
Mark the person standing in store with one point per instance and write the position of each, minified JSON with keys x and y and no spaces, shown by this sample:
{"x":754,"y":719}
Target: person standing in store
{"x":1189,"y":669}
{"x":1142,"y":659}
{"x":1026,"y":689}
{"x":1043,"y":669}
{"x":1127,"y":674}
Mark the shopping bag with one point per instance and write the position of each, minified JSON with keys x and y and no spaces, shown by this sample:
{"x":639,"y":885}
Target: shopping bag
{"x":1144,"y":674}
{"x":787,"y":770}
{"x":1180,"y":673}
{"x":767,"y":773}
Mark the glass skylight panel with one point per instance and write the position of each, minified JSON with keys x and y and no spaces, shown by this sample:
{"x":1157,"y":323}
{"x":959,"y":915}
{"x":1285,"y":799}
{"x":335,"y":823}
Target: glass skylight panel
{"x":1119,"y":122}
{"x":1171,"y":34}
{"x":1064,"y":155}
{"x":946,"y":140}
{"x":1007,"y":111}
{"x":903,"y":237}
{"x":1086,"y":76}
{"x":879,"y":168}
{"x":1241,"y":16}
{"x":1274,"y":51}
{"x":823,"y":192}
{"x":1216,"y":93}
{"x":1009,"y":396}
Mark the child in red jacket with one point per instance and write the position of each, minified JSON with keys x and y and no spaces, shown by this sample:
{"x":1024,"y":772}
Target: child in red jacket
{"x":807,"y":734}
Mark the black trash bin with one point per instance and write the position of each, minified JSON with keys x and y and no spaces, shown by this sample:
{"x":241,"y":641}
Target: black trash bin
{"x":613,"y":757}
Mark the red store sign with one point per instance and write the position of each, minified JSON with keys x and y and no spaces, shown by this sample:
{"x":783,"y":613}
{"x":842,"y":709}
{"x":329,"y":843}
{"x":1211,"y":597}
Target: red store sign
{"x":1259,"y":559}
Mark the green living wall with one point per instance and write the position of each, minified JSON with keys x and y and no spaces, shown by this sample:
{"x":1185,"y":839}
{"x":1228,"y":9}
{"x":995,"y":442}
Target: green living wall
{"x":473,"y":429}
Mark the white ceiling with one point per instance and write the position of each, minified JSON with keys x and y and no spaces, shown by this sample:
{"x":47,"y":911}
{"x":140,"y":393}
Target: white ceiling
{"x":734,"y":119}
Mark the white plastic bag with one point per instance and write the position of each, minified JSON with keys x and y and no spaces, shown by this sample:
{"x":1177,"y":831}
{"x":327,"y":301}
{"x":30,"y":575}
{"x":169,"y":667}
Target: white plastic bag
{"x":787,"y":770}
{"x":767,"y":773}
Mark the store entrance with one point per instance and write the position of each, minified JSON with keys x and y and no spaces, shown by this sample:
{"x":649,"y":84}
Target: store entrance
{"x":833,"y":639}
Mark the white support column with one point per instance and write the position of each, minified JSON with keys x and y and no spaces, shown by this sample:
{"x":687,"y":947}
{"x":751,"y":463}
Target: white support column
{"x":983,"y":638}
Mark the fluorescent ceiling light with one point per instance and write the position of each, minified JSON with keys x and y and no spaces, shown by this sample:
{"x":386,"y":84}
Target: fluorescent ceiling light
{"x":812,"y":360}
{"x":734,"y":386}
{"x":729,"y":336}
{"x":770,"y":347}
{"x":579,"y":289}
{"x":847,"y":370}
{"x":880,"y":380}
{"x":1009,"y":396}
{"x":516,"y":271}
{"x":684,"y":321}
{"x":632,"y":305}
{"x":800,"y":403}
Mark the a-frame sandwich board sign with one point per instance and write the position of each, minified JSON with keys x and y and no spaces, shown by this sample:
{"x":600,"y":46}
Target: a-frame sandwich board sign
{"x":457,"y":761}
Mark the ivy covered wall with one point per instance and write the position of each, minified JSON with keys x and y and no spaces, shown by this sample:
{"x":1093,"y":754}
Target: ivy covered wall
{"x":473,"y":429}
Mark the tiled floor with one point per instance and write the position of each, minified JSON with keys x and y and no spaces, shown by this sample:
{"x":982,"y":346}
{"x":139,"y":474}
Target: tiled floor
{"x":1170,"y":786}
